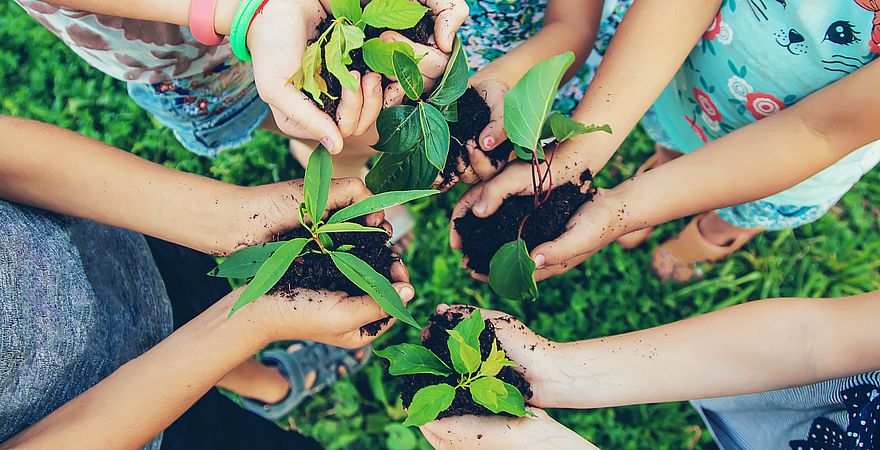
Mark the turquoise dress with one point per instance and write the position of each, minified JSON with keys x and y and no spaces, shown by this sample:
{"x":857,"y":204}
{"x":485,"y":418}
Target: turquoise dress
{"x":757,"y":58}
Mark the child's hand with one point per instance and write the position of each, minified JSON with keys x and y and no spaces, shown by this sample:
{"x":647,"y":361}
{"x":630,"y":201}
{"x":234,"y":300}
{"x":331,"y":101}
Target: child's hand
{"x":492,"y":89}
{"x":333,"y":318}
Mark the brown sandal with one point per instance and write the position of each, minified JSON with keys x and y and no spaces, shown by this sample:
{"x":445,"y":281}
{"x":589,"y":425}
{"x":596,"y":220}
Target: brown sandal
{"x":633,"y":239}
{"x":677,"y":257}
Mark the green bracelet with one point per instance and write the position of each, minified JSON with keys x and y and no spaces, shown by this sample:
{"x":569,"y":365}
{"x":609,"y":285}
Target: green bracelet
{"x":239,"y":29}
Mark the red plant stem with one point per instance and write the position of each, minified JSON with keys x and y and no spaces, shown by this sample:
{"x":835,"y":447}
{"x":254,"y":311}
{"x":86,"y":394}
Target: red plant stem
{"x":538,"y":187}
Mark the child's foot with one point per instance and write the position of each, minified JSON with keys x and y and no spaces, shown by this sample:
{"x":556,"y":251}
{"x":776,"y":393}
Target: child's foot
{"x":307,"y":367}
{"x":706,"y":238}
{"x":662,"y":155}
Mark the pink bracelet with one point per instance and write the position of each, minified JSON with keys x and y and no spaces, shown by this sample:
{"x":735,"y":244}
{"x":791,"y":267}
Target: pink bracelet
{"x":201,"y":21}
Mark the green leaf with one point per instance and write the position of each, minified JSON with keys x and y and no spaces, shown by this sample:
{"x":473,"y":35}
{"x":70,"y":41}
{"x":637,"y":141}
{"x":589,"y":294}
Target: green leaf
{"x":377,"y":55}
{"x":495,"y":362}
{"x":471,"y":328}
{"x":245,"y":262}
{"x":563,"y":127}
{"x":354,"y":39}
{"x":407,"y":72}
{"x":308,"y":77}
{"x":378,"y":202}
{"x":348,"y":227}
{"x":435,"y":135}
{"x":400,"y":437}
{"x":270,"y":272}
{"x":527,"y":104}
{"x":512,"y":272}
{"x":513,"y":402}
{"x":429,"y":402}
{"x":526,"y":154}
{"x":344,"y":248}
{"x":465,"y":359}
{"x":455,"y":78}
{"x":374,"y":284}
{"x":335,"y":54}
{"x":393,"y":14}
{"x":487,"y":391}
{"x":349,"y":9}
{"x":316,"y":184}
{"x":396,"y":172}
{"x":450,"y":112}
{"x":399,"y":129}
{"x":409,"y":359}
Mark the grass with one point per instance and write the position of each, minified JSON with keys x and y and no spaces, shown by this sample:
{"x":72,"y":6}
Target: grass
{"x":611,"y":293}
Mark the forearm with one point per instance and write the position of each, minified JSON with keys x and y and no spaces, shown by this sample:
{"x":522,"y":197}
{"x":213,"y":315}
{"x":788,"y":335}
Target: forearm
{"x":167,"y":11}
{"x":569,"y":25}
{"x":144,"y":396}
{"x":61,"y":171}
{"x":759,"y":346}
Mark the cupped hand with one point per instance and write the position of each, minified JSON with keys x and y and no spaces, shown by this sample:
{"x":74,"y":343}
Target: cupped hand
{"x":481,"y":167}
{"x":502,"y":433}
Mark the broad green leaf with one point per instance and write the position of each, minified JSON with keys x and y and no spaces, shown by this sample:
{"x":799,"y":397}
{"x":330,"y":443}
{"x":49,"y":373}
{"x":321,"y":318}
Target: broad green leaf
{"x":527,"y":104}
{"x":455,"y":78}
{"x":245,"y":262}
{"x":526,"y":154}
{"x":496,"y":360}
{"x":348,"y":227}
{"x":377,"y":55}
{"x":513,"y":402}
{"x":326,"y":240}
{"x":316,"y":185}
{"x":407,"y":72}
{"x":402,"y":171}
{"x":308,"y":77}
{"x":378,"y":202}
{"x":344,"y":248}
{"x":270,"y":272}
{"x":335,"y":53}
{"x":400,"y":437}
{"x":450,"y":112}
{"x":435,"y":135}
{"x":471,"y":328}
{"x":512,"y":272}
{"x":429,"y":402}
{"x":374,"y":284}
{"x":399,"y":129}
{"x":393,"y":14}
{"x":354,"y":39}
{"x":563,"y":127}
{"x":487,"y":391}
{"x":408,"y":359}
{"x":465,"y":359}
{"x":350,"y":9}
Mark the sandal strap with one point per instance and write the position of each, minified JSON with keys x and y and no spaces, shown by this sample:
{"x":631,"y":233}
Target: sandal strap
{"x":690,"y":246}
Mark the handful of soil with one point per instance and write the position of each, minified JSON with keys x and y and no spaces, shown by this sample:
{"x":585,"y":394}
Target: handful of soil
{"x":316,"y":271}
{"x":463,"y":404}
{"x":481,"y":238}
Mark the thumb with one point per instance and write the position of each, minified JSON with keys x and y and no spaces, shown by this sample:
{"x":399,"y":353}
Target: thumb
{"x":560,"y":251}
{"x":508,"y":183}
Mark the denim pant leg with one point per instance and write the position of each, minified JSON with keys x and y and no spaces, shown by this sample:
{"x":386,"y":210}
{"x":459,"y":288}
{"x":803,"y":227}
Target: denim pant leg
{"x":77,"y":301}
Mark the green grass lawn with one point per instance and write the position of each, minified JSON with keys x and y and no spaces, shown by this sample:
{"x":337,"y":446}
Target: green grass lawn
{"x":611,"y":293}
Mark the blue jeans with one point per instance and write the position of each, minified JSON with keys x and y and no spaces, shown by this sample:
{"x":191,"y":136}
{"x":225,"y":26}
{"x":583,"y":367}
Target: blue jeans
{"x":77,"y":301}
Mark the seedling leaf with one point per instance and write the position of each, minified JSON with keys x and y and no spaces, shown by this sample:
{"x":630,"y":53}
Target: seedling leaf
{"x":487,"y":391}
{"x":513,"y":402}
{"x":435,"y":135}
{"x":348,"y":227}
{"x":563,"y":127}
{"x":465,"y":359}
{"x":455,"y":78}
{"x":354,"y":39}
{"x":399,"y":129}
{"x":495,"y":362}
{"x":270,"y":272}
{"x":512,"y":272}
{"x":335,"y":53}
{"x":308,"y":77}
{"x":319,"y":171}
{"x":377,"y":54}
{"x":393,"y":14}
{"x":407,"y":72}
{"x":374,"y":284}
{"x":349,"y":9}
{"x":428,"y":403}
{"x":409,"y":359}
{"x":527,"y":104}
{"x":471,"y":327}
{"x":395,"y":172}
{"x":378,"y":202}
{"x":245,"y":262}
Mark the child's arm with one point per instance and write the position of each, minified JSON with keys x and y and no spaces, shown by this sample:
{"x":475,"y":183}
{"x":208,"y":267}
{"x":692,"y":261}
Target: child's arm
{"x":144,"y":396}
{"x":756,"y":161}
{"x":61,"y":171}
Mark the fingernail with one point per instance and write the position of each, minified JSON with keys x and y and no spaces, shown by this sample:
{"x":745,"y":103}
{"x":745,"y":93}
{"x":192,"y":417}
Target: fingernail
{"x":442,"y":308}
{"x":488,"y":143}
{"x":328,"y":143}
{"x":539,"y":261}
{"x":480,"y":208}
{"x":407,"y":293}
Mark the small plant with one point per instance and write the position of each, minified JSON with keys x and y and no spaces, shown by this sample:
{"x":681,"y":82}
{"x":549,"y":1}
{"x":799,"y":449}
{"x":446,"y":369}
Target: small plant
{"x":528,"y":122}
{"x":345,"y":34}
{"x":267,"y":263}
{"x":414,"y":138}
{"x":475,"y":375}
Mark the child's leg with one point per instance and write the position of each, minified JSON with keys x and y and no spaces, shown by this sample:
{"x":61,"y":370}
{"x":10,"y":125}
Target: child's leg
{"x":259,"y":382}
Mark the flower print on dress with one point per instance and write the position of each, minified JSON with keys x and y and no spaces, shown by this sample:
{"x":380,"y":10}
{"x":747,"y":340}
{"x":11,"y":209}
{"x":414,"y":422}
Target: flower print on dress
{"x":719,"y":31}
{"x":758,"y":104}
{"x":763,"y":105}
{"x":698,"y":130}
{"x":863,"y":409}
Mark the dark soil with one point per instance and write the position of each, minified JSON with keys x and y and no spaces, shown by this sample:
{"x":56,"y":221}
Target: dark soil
{"x":419,"y":33}
{"x":481,"y":238}
{"x":463,"y":403}
{"x":316,"y":271}
{"x":473,"y":117}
